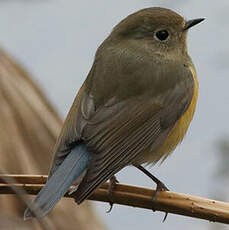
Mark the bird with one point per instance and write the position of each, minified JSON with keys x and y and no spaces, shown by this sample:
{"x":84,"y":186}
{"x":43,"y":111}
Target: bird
{"x":134,"y":107}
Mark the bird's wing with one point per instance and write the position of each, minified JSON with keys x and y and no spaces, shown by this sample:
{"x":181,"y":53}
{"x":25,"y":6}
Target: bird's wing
{"x":70,"y":133}
{"x":118,"y":132}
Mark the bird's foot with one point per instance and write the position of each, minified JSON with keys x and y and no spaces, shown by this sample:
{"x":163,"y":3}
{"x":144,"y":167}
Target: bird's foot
{"x":160,"y":188}
{"x":112,"y":182}
{"x":72,"y":190}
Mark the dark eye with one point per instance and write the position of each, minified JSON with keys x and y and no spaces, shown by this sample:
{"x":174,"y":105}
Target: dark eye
{"x":162,"y":35}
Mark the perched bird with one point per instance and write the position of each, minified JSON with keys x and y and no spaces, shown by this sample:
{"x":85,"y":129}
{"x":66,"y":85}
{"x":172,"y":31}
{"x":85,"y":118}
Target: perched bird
{"x":134,"y":107}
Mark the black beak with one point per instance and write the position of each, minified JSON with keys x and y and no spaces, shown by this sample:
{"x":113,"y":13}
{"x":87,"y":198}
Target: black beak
{"x":192,"y":23}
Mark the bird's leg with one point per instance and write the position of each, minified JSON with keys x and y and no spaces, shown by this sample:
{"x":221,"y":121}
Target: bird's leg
{"x":112,"y":182}
{"x":160,"y":185}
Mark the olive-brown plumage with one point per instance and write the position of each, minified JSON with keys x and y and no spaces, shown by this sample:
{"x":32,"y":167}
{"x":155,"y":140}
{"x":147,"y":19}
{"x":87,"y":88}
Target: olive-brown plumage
{"x":137,"y":101}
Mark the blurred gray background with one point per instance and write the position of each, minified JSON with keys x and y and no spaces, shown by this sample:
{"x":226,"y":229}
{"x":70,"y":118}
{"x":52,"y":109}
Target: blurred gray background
{"x":56,"y":41}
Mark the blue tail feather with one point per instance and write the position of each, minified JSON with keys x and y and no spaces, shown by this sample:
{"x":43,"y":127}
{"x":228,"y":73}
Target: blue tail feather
{"x":66,"y":174}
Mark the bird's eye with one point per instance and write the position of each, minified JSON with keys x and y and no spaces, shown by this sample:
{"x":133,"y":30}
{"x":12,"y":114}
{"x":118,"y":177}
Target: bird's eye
{"x":162,"y":35}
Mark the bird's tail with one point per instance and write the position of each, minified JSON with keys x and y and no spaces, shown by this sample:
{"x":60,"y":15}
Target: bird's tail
{"x":57,"y":185}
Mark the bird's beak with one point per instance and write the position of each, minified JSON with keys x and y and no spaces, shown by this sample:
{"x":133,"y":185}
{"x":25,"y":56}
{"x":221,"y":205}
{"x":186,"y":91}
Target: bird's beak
{"x":193,"y":22}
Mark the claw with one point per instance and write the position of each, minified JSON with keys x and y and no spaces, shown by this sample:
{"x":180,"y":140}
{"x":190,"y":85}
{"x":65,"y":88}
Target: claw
{"x":111,"y":206}
{"x":160,"y":188}
{"x":112,"y":183}
{"x":165,"y":217}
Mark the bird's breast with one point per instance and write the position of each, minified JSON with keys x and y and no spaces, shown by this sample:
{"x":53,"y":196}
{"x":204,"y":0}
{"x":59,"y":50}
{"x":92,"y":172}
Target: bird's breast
{"x":179,"y":130}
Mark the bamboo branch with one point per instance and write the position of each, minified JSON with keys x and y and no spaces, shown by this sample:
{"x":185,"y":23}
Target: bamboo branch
{"x":167,"y":201}
{"x":44,"y":223}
